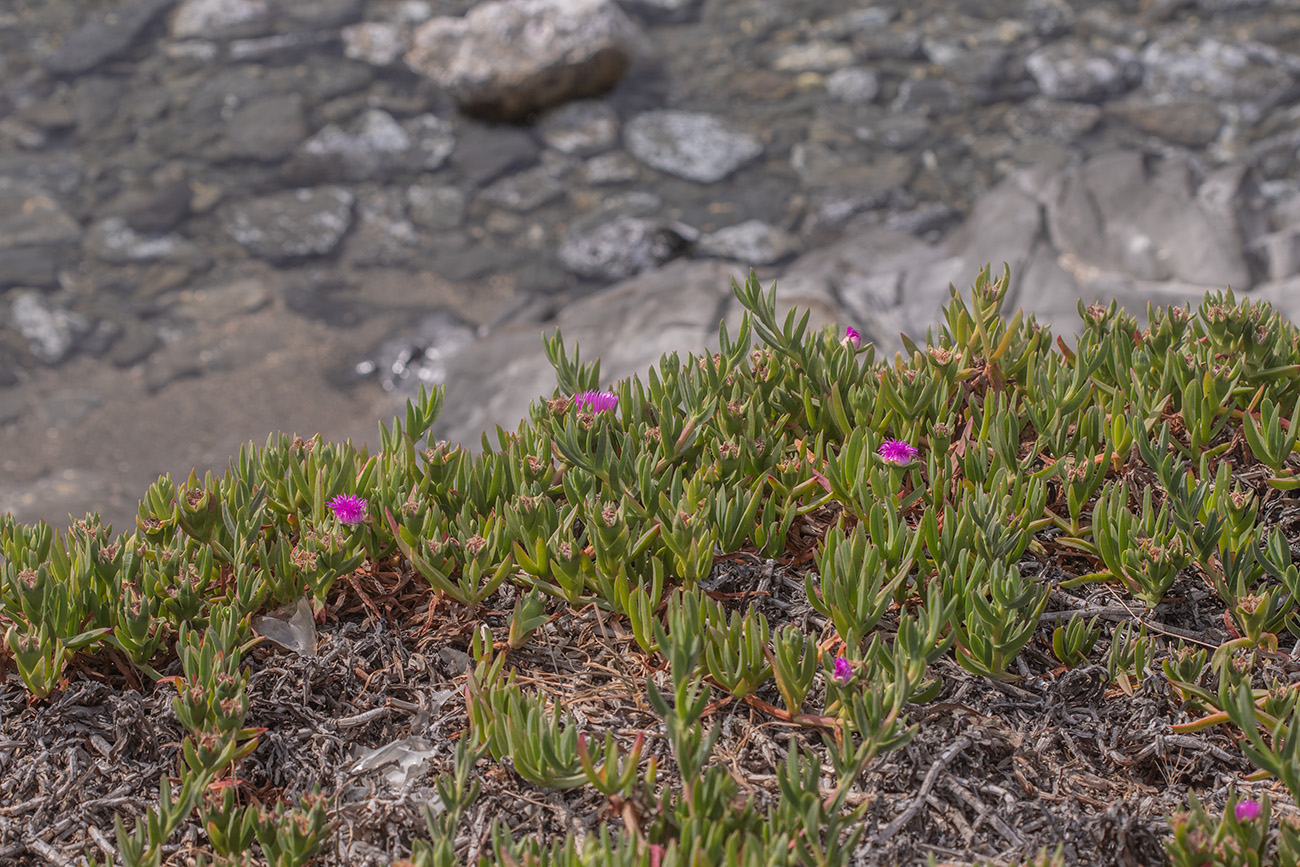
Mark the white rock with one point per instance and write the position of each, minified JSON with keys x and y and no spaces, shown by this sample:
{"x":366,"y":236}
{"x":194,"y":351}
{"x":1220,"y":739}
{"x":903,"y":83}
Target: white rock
{"x":698,"y":147}
{"x":508,"y":59}
{"x":215,"y":18}
{"x":375,"y":42}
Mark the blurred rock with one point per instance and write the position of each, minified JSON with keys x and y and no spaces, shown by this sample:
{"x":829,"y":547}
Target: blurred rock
{"x":854,"y":84}
{"x":624,"y":246}
{"x":292,"y":225}
{"x":436,"y":207}
{"x":28,"y":266}
{"x":29,"y":216}
{"x":107,"y":34}
{"x":266,"y":128}
{"x":51,"y":332}
{"x":507,"y":59}
{"x":752,"y":242}
{"x":378,"y":43}
{"x":217,"y":19}
{"x":1071,"y":71}
{"x":698,"y":147}
{"x":529,"y":189}
{"x":112,"y":240}
{"x":580,"y":128}
{"x":374,"y":146}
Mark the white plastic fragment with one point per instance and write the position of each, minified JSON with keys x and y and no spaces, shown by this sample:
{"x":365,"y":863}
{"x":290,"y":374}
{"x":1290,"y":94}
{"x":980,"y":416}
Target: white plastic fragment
{"x":297,"y":634}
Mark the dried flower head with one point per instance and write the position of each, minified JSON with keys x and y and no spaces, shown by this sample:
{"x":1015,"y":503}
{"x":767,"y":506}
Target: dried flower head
{"x":302,"y":558}
{"x":348,"y":508}
{"x":596,"y":401}
{"x":897,"y":452}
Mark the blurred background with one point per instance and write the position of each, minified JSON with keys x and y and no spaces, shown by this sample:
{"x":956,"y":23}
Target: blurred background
{"x":223,"y":218}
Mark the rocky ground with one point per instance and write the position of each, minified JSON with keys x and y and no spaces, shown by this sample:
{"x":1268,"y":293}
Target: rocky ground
{"x":218,"y":219}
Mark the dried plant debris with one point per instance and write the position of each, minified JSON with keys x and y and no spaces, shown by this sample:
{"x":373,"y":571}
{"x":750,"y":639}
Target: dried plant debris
{"x":999,"y":601}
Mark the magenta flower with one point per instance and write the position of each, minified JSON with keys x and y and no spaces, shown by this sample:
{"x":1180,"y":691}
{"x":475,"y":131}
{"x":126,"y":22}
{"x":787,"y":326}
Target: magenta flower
{"x":843,"y":671}
{"x":897,"y":452}
{"x":1248,"y":811}
{"x":348,"y":508}
{"x":851,"y":335}
{"x":596,"y":401}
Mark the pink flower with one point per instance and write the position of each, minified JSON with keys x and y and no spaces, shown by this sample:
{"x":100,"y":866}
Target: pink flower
{"x":348,"y":508}
{"x":851,"y":335}
{"x":897,"y":452}
{"x":596,"y":401}
{"x":1248,"y":810}
{"x":843,"y":671}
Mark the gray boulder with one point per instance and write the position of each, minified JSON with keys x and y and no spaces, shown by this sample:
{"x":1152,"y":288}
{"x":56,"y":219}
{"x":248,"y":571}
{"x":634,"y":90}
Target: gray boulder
{"x":373,"y":146}
{"x":698,"y":147}
{"x":507,"y":59}
{"x":1068,"y":70}
{"x":29,"y":216}
{"x":113,"y":240}
{"x":379,"y":43}
{"x":107,"y":35}
{"x":266,"y":128}
{"x":292,"y":225}
{"x":51,"y":332}
{"x":581,"y":128}
{"x":624,"y":246}
{"x":753,"y":242}
{"x":1247,"y":77}
{"x":530,"y":189}
{"x":215,"y":19}
{"x":1117,"y":215}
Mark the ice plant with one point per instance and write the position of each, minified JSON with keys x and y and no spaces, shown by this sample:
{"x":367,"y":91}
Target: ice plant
{"x":897,"y":452}
{"x":596,"y":401}
{"x":348,"y":508}
{"x":1248,"y":811}
{"x":843,"y":671}
{"x":851,"y":335}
